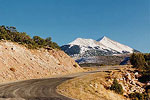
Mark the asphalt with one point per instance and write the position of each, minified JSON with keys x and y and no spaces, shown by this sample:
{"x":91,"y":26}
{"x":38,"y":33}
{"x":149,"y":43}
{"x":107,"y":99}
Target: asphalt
{"x":39,"y":89}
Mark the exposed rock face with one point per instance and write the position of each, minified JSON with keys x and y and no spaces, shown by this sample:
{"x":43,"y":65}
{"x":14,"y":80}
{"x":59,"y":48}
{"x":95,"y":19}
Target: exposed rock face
{"x":128,"y":78}
{"x":19,"y":63}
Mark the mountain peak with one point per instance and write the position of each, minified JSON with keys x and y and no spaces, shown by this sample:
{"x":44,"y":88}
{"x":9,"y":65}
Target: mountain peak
{"x":102,"y":38}
{"x":81,"y":47}
{"x":103,"y":43}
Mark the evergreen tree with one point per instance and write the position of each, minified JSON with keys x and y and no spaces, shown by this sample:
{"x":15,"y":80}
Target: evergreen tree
{"x":116,"y":87}
{"x":11,"y":33}
{"x":138,"y":60}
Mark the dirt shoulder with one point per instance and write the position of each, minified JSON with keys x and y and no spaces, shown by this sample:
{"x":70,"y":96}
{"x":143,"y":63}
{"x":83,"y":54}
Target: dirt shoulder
{"x":89,"y":87}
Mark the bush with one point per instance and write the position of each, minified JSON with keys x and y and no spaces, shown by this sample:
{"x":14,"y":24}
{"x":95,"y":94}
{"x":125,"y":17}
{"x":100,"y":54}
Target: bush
{"x":116,"y":87}
{"x":139,"y":96}
{"x":147,"y":88}
{"x":141,"y":62}
{"x":10,"y":33}
{"x":145,"y":77}
{"x":138,"y":60}
{"x":75,"y":65}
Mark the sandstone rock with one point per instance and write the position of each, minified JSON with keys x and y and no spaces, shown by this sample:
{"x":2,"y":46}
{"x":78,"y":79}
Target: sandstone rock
{"x":128,"y":79}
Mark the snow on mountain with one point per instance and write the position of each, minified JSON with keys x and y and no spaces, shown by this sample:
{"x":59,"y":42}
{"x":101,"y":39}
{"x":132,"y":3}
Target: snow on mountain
{"x":115,"y":45}
{"x":88,"y":47}
{"x":87,"y":44}
{"x":84,"y":42}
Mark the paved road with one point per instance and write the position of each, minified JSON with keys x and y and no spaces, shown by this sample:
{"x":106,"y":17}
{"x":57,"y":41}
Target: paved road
{"x":39,"y":89}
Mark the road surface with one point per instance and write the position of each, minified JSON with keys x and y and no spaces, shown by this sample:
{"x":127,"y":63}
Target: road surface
{"x":39,"y":89}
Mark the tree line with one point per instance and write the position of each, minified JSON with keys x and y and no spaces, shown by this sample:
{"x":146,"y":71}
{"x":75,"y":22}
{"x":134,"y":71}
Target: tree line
{"x":142,"y":63}
{"x":11,"y":33}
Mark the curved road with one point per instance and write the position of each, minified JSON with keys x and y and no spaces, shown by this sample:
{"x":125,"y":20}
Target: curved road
{"x":39,"y":89}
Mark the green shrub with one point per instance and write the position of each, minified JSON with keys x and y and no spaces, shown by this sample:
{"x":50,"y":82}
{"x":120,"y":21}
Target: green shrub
{"x":145,"y":76}
{"x":142,"y":63}
{"x":75,"y":65}
{"x":147,"y":88}
{"x":139,"y":96}
{"x":138,"y":60}
{"x":10,"y":33}
{"x":116,"y":87}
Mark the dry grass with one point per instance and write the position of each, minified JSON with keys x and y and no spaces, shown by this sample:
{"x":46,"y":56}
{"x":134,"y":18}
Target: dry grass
{"x":89,"y":87}
{"x":90,"y":68}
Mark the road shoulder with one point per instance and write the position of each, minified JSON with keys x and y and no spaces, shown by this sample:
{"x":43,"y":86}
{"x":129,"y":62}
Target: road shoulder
{"x":88,"y":87}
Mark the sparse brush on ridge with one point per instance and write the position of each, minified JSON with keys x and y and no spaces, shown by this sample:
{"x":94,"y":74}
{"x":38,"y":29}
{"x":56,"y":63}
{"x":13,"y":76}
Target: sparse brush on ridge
{"x":138,"y":60}
{"x":138,"y":96}
{"x":142,"y":63}
{"x":10,"y":33}
{"x":116,"y":87}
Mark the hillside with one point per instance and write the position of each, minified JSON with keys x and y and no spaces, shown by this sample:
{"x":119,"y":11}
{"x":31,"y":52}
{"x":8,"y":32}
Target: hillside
{"x":18,"y":62}
{"x":104,"y":60}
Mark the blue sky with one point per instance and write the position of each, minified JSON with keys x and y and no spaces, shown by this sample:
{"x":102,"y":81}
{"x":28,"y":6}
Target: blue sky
{"x":126,"y":21}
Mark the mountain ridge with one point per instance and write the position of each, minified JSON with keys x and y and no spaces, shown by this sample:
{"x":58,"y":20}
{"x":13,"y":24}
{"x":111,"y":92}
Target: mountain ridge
{"x":104,"y":46}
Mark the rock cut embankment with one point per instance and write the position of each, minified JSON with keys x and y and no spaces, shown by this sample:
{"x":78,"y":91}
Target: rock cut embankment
{"x":19,"y":63}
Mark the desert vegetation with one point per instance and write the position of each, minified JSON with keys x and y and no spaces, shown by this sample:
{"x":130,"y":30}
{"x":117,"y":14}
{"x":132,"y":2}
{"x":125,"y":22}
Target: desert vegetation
{"x":11,"y":33}
{"x":142,"y":63}
{"x":138,"y":96}
{"x":116,"y":87}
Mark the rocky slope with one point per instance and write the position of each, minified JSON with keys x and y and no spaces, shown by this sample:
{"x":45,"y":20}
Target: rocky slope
{"x":128,"y":78}
{"x":19,"y":63}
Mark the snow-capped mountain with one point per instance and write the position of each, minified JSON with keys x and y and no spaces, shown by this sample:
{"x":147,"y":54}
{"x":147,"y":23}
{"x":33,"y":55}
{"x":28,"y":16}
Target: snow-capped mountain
{"x":88,"y":47}
{"x":115,"y":45}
